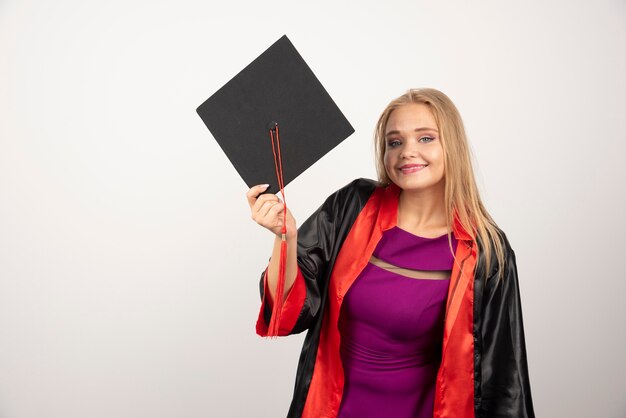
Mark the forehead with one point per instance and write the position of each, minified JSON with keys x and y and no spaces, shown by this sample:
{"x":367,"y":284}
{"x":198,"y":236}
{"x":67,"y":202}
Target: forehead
{"x":411,"y":116}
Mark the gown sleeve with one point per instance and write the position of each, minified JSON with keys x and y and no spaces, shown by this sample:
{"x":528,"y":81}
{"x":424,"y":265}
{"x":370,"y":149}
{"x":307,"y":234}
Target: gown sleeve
{"x":316,"y":242}
{"x":505,"y":384}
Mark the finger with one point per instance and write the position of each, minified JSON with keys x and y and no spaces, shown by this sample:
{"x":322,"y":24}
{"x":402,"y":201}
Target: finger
{"x":261,"y":200}
{"x":276,"y":211}
{"x":260,"y":209}
{"x":267,"y":208}
{"x":274,"y":217}
{"x":253,"y":193}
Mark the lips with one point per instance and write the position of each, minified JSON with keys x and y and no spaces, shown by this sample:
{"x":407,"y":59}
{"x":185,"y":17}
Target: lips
{"x":412,"y":168}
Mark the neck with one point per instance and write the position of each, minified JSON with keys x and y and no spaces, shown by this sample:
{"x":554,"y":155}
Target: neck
{"x":422,"y":210}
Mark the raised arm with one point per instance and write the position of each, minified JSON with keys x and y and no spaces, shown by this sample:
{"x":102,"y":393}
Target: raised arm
{"x":318,"y":241}
{"x":267,"y":210}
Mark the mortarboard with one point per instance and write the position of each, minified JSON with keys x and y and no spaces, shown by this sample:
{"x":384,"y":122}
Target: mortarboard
{"x":275,"y":110}
{"x":277,"y":87}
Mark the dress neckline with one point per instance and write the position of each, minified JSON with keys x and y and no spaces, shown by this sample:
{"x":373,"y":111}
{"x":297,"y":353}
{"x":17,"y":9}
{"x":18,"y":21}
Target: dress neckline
{"x":404,"y":249}
{"x":420,"y":237}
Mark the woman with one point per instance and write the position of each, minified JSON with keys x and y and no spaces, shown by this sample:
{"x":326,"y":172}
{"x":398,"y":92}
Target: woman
{"x":407,"y":287}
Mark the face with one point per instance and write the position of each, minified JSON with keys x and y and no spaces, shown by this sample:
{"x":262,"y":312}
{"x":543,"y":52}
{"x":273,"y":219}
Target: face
{"x":413,"y":151}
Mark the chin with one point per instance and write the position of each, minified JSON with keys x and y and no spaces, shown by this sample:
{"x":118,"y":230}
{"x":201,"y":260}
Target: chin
{"x":417,"y":186}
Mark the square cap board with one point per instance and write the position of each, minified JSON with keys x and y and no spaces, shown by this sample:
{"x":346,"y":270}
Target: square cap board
{"x":277,"y":87}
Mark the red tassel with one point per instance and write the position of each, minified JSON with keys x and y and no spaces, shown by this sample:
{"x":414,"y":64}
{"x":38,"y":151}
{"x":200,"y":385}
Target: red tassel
{"x":274,"y":324}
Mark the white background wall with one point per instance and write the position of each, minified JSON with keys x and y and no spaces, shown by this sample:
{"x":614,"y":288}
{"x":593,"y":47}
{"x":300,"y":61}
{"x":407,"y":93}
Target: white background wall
{"x":128,"y":262}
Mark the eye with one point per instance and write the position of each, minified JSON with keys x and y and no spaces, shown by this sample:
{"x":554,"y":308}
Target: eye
{"x":430,"y":138}
{"x":392,"y":143}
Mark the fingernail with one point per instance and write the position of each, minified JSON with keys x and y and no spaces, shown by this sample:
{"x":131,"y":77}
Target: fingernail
{"x":265,"y":186}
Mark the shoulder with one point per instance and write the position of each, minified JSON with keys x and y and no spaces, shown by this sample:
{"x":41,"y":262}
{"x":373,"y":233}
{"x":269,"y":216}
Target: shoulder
{"x":504,"y":241}
{"x":508,"y":253}
{"x":501,"y":238}
{"x":357,"y":192}
{"x":361,"y":186}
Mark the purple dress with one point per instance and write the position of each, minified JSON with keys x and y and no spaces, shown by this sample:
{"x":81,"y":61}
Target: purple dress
{"x":392,"y":329}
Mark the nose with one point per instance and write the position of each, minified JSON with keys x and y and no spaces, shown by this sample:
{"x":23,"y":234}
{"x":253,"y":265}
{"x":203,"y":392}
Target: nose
{"x":408,"y":151}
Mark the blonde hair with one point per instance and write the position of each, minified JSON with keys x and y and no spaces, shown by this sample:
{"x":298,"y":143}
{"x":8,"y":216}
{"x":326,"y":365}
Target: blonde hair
{"x":461,"y":192}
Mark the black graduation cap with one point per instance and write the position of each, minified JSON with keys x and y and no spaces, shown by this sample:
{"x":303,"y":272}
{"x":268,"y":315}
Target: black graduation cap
{"x":277,"y":88}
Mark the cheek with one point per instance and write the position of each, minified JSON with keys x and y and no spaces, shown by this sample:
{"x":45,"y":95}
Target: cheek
{"x":439,"y":158}
{"x":436,"y":156}
{"x":388,"y":160}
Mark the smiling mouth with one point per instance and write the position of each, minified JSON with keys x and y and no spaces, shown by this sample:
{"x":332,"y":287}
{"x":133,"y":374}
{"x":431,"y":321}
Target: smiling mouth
{"x":412,"y":168}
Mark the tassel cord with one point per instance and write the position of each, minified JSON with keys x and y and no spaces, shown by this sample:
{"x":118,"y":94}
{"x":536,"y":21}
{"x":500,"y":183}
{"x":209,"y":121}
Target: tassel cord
{"x":274,"y":324}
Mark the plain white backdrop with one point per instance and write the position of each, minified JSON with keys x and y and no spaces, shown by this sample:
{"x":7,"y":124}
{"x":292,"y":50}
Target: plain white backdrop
{"x":129,"y":264}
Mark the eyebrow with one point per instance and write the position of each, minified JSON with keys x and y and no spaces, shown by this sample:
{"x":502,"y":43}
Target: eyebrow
{"x":416,"y":130}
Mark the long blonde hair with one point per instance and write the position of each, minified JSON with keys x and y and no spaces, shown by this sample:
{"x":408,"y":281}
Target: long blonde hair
{"x":461,"y":192}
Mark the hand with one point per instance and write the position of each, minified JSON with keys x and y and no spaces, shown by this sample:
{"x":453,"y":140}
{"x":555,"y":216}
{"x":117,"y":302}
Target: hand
{"x":267,"y":210}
